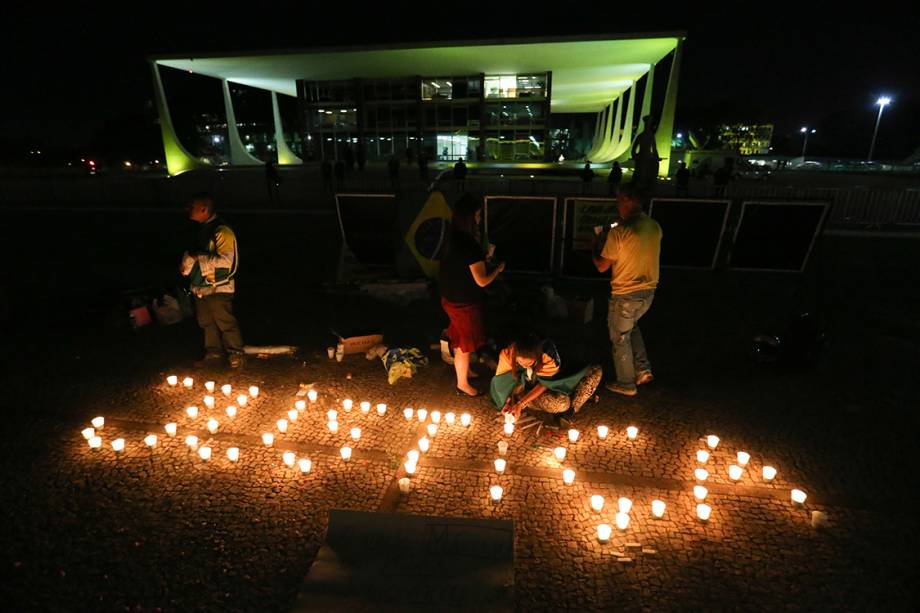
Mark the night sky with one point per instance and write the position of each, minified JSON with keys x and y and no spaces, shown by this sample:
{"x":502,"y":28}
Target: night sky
{"x":78,"y":79}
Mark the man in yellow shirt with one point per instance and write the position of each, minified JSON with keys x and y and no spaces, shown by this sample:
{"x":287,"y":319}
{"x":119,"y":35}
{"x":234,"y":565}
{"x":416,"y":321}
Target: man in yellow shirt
{"x":631,"y":252}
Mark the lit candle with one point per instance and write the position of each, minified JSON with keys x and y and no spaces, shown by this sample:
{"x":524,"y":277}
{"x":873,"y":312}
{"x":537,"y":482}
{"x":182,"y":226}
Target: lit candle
{"x":410,"y":467}
{"x":658,"y":508}
{"x":568,"y":476}
{"x":603,"y":532}
{"x":282,"y":425}
{"x":312,"y":395}
{"x":209,"y":385}
{"x":559,"y":452}
{"x":509,"y":429}
{"x":188,"y":382}
{"x":305,"y":465}
{"x":405,"y":484}
{"x":624,"y":505}
{"x":268,"y":439}
{"x":333,"y":426}
{"x":289,"y":457}
{"x":212,"y":425}
{"x":226,"y":389}
{"x":88,"y":433}
{"x":413,"y":455}
{"x":233,"y":454}
{"x":798,"y":496}
{"x":242,"y":399}
{"x":632,"y":432}
{"x":702,"y":456}
{"x":422,"y":414}
{"x":466,"y":419}
{"x":254,"y":391}
{"x":424,"y":444}
{"x":500,"y":465}
{"x":118,"y":445}
{"x":347,"y":404}
{"x":292,"y":415}
{"x":365,"y":406}
{"x":381,"y":409}
{"x":300,"y":405}
{"x":713,"y":441}
{"x":597,"y":502}
{"x":170,"y":428}
{"x":573,"y":435}
{"x":502,"y":447}
{"x":231,"y":411}
{"x":622,"y":521}
{"x":432,"y":430}
{"x":98,"y":422}
{"x":332,"y":415}
{"x":192,"y":441}
{"x":192,"y":412}
{"x":734,"y":472}
{"x":703,"y":511}
{"x":356,"y":433}
{"x":700,"y":492}
{"x":450,"y":418}
{"x":743,"y":458}
{"x":150,"y":440}
{"x":701,"y":474}
{"x":407,"y":413}
{"x":345,"y":453}
{"x":496,"y":492}
{"x":602,"y":432}
{"x":172,"y":380}
{"x":769,"y":473}
{"x":509,"y":418}
{"x":204,"y":453}
{"x":436,"y":417}
{"x":95,"y":442}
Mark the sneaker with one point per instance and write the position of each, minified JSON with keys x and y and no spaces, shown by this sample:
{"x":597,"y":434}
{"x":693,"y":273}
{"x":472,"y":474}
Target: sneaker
{"x":621,"y":389}
{"x":209,"y":359}
{"x":235,"y":359}
{"x":644,"y":377}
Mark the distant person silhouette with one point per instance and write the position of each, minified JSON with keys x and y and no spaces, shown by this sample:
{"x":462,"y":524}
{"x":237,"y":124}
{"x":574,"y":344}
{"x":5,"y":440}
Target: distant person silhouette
{"x":272,"y":182}
{"x":361,"y":157}
{"x":722,"y":177}
{"x":615,"y":178}
{"x":587,"y":175}
{"x":349,"y":155}
{"x":645,"y":156}
{"x":682,"y":180}
{"x":460,"y":174}
{"x":393,"y":169}
{"x":326,"y":168}
{"x":339,"y":174}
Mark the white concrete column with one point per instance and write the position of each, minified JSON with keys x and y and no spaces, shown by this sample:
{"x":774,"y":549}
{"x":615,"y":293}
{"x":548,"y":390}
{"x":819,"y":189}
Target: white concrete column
{"x":285,"y":155}
{"x":238,"y":154}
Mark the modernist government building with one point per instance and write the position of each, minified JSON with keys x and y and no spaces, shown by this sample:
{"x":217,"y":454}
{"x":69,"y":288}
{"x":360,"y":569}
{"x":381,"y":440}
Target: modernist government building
{"x":512,"y":101}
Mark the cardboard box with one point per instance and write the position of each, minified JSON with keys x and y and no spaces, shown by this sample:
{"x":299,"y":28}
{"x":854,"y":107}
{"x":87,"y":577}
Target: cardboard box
{"x":361,"y":344}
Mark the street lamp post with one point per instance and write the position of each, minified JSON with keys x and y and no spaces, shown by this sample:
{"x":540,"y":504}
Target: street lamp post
{"x":806,"y":132}
{"x":882,"y":103}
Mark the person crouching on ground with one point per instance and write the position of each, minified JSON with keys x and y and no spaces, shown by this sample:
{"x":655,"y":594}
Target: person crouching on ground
{"x":211,"y":267}
{"x":530,"y":375}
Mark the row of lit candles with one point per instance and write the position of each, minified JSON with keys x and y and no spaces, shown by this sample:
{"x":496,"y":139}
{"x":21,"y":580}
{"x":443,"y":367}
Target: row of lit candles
{"x":226,"y":389}
{"x":735,"y":471}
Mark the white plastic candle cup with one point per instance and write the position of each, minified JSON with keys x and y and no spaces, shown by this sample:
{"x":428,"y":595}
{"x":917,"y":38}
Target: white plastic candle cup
{"x":356,"y":433}
{"x":700,"y":492}
{"x":500,"y":465}
{"x":118,"y":445}
{"x":233,"y":454}
{"x":300,"y":405}
{"x":88,"y":433}
{"x":410,"y":467}
{"x":231,"y":410}
{"x":405,"y":484}
{"x":407,"y":413}
{"x":333,"y":426}
{"x":424,"y":444}
{"x":713,"y":441}
{"x":312,"y":395}
{"x":332,"y":415}
{"x":422,"y":414}
{"x":466,"y":419}
{"x":192,"y":412}
{"x":450,"y":418}
{"x":509,"y":429}
{"x":743,"y":458}
{"x":188,"y":382}
{"x":769,"y":473}
{"x":209,"y":402}
{"x":502,"y":447}
{"x":293,"y":415}
{"x":632,"y":432}
{"x":496,"y":492}
{"x":242,"y":399}
{"x":254,"y":391}
{"x":602,"y":432}
{"x":597,"y":502}
{"x":305,"y":465}
{"x":702,"y":456}
{"x":282,"y":425}
{"x":559,"y":452}
{"x":209,"y":385}
{"x":701,"y":474}
{"x":624,"y":505}
{"x":365,"y":406}
{"x":95,"y":442}
{"x":204,"y":453}
{"x":603,"y":532}
{"x":347,"y":404}
{"x":345,"y":452}
{"x":150,"y":440}
{"x":381,"y":409}
{"x":212,"y":425}
{"x":289,"y":457}
{"x":192,"y":441}
{"x":170,"y":428}
{"x":436,"y":417}
{"x":703,"y":511}
{"x":172,"y":380}
{"x":268,"y":439}
{"x":413,"y":455}
{"x":622,"y":521}
{"x":225,"y":389}
{"x":339,"y":356}
{"x":509,"y":418}
{"x":330,"y":351}
{"x":798,"y":496}
{"x":735,"y":472}
{"x":432,"y":430}
{"x":573,"y":435}
{"x":658,"y":508}
{"x":98,"y":422}
{"x":568,"y":476}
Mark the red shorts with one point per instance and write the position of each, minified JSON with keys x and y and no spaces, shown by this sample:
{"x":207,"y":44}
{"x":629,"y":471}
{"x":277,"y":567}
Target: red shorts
{"x":466,"y":331}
